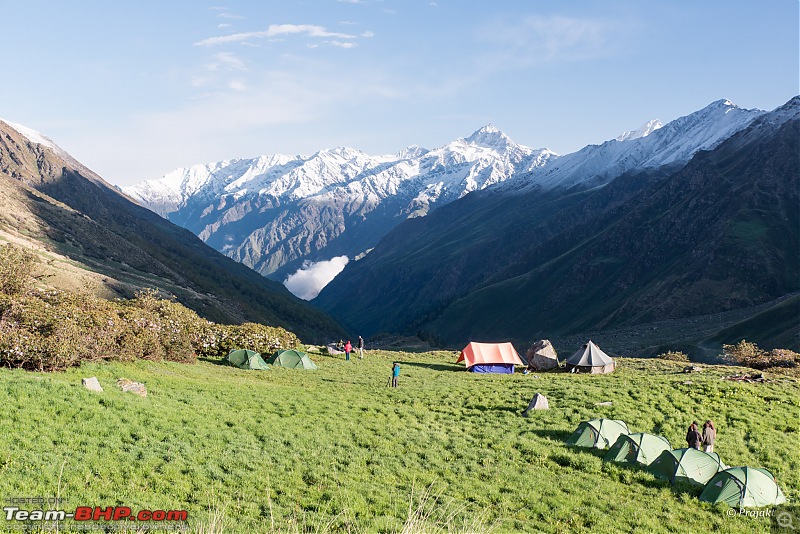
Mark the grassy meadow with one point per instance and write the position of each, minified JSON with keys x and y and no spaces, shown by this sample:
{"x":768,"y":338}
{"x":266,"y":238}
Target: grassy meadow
{"x":335,"y":450}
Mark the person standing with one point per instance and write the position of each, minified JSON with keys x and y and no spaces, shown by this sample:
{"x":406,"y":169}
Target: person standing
{"x":709,"y":436}
{"x":360,"y":348}
{"x":395,"y":373}
{"x":693,"y":437}
{"x":347,"y":348}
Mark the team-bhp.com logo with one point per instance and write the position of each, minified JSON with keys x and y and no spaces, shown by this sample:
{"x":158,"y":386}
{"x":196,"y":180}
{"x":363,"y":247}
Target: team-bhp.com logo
{"x":95,"y":513}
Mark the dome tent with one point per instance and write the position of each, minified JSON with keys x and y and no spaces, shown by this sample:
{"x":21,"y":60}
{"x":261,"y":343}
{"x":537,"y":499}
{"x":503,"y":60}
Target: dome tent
{"x":292,"y":359}
{"x":590,"y":359}
{"x":640,"y":447}
{"x":246,"y":359}
{"x":746,"y":487}
{"x":597,"y":433}
{"x":686,"y":465}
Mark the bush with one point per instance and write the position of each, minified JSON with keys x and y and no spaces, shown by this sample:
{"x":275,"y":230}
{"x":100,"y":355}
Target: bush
{"x":749,"y":355}
{"x":674,"y":356}
{"x":51,"y":330}
{"x":16,"y":269}
{"x":218,"y":340}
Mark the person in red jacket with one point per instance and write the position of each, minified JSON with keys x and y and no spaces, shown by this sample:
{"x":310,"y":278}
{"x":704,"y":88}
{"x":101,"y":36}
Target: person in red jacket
{"x":347,"y":348}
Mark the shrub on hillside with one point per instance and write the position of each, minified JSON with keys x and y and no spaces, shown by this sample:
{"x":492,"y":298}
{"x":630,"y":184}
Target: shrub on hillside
{"x":749,"y":355}
{"x":51,"y":330}
{"x":674,"y":356}
{"x":16,"y":269}
{"x":218,"y":340}
{"x":170,"y":330}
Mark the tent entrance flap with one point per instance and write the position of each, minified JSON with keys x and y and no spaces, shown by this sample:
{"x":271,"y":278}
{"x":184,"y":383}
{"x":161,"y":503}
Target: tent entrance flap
{"x":501,"y":368}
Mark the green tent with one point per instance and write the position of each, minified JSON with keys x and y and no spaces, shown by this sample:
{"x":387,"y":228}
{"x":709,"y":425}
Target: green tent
{"x":743,"y":487}
{"x":597,"y":433}
{"x":246,"y":359}
{"x":640,"y":448}
{"x":292,"y":359}
{"x":688,"y":465}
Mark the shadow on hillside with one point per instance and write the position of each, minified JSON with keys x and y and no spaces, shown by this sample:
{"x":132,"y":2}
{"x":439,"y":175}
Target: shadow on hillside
{"x":410,"y":350}
{"x":435,"y":366}
{"x":680,"y":488}
{"x":215,"y":361}
{"x":483,"y":409}
{"x":554,"y":435}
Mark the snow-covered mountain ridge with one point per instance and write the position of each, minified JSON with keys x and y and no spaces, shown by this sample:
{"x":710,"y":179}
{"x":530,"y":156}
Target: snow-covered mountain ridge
{"x":650,"y":146}
{"x":484,"y":158}
{"x":274,"y":212}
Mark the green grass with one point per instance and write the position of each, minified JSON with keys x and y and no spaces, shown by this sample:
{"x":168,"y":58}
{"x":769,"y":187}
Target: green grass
{"x":336,"y":450}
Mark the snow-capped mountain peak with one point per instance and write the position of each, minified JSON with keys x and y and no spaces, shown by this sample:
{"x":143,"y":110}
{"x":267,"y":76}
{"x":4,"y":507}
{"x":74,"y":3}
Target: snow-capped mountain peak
{"x":643,"y":131}
{"x":411,"y":151}
{"x":490,"y":137}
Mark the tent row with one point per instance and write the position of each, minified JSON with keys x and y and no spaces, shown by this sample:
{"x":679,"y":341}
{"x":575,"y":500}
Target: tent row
{"x":290,"y":359}
{"x":736,"y":486}
{"x":502,"y":357}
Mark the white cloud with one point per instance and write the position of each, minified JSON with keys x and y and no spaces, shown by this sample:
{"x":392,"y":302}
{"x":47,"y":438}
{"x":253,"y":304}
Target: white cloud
{"x":237,"y":85}
{"x":554,"y":38}
{"x":227,"y":60}
{"x":275,"y":30}
{"x":342,"y":44}
{"x":309,"y":280}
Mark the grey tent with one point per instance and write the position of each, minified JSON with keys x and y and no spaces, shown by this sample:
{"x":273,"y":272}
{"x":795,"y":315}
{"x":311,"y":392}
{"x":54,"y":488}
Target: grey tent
{"x":590,"y":359}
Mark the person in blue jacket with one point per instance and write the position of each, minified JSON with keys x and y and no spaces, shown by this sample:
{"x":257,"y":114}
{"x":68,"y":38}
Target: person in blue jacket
{"x":395,"y":373}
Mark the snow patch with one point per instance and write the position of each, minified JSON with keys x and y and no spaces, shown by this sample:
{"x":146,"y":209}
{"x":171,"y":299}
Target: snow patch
{"x":36,"y":137}
{"x":308,"y":281}
{"x":643,"y":131}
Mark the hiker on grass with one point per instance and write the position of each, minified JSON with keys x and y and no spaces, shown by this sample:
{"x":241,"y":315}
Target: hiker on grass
{"x":347,"y":348}
{"x":693,"y":437}
{"x":360,"y":348}
{"x":709,"y":435}
{"x":395,"y":373}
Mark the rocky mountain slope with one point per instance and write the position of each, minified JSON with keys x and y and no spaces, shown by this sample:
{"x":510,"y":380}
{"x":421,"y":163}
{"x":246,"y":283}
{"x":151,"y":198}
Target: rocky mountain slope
{"x":95,"y":237}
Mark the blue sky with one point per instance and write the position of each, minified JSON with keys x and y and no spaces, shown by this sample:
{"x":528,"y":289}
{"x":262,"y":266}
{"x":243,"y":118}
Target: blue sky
{"x":136,"y":89}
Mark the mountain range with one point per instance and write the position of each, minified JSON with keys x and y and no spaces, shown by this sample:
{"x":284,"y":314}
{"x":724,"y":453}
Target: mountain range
{"x":699,"y":218}
{"x":92,"y":237}
{"x":276,"y":213}
{"x":683,"y":234}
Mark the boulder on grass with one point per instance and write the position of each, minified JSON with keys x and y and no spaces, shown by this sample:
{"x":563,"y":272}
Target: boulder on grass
{"x":132,"y":387}
{"x":92,"y":384}
{"x":538,"y":402}
{"x":542,"y":356}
